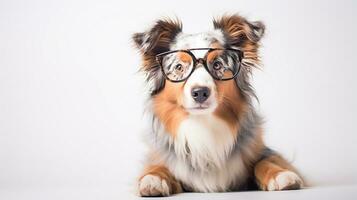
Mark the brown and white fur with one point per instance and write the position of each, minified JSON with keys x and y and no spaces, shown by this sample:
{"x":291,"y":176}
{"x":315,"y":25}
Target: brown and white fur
{"x":216,"y":149}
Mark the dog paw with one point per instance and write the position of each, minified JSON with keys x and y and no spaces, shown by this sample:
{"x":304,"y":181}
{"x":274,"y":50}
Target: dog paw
{"x":151,"y":185}
{"x":286,"y":180}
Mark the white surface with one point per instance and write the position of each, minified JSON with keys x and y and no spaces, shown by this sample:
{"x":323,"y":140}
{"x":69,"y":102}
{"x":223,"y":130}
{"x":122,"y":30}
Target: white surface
{"x":71,"y":101}
{"x":108,"y":193}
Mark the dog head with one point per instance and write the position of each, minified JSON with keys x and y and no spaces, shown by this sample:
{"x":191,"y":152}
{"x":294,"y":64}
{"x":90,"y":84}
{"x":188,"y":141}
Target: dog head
{"x":195,"y":74}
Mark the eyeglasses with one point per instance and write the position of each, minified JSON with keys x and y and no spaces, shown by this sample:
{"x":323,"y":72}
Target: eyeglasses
{"x":221,"y":64}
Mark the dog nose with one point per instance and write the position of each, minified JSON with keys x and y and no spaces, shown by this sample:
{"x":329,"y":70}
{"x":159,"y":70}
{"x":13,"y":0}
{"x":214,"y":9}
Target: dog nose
{"x":200,"y":94}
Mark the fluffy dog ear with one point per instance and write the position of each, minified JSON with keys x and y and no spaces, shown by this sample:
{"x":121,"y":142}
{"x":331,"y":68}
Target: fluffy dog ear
{"x":158,"y":38}
{"x":238,"y":30}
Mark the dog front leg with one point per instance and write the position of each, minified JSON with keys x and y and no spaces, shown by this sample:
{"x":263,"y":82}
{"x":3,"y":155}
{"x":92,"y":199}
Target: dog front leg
{"x":275,"y":173}
{"x":157,"y":180}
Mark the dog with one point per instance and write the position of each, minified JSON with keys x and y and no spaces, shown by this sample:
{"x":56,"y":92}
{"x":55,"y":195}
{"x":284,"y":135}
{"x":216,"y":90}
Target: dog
{"x":206,"y":135}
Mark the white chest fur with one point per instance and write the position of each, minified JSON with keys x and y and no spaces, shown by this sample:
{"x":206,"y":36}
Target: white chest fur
{"x":203,"y":146}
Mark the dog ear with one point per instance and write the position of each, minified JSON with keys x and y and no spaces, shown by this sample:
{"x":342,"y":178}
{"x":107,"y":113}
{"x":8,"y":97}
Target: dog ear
{"x":158,"y":38}
{"x":238,"y":30}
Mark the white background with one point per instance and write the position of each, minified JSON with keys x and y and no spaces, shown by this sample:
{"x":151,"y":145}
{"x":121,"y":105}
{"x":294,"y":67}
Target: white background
{"x":71,"y":100}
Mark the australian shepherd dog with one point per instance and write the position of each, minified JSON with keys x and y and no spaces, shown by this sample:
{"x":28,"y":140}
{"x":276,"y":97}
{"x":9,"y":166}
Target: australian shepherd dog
{"x":206,"y":135}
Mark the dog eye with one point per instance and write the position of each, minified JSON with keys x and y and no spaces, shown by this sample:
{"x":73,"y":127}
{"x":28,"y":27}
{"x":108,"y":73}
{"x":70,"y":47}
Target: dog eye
{"x":178,"y":67}
{"x":217,"y":65}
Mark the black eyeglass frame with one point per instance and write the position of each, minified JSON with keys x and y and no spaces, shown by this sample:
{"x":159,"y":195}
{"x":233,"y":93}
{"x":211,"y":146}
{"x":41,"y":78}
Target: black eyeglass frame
{"x":160,"y":56}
